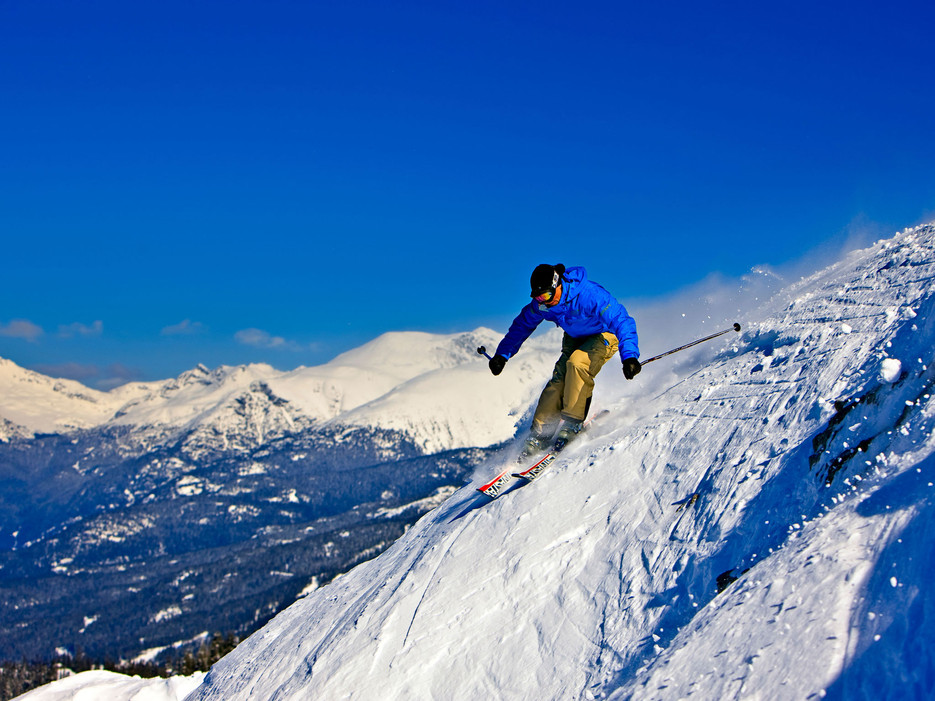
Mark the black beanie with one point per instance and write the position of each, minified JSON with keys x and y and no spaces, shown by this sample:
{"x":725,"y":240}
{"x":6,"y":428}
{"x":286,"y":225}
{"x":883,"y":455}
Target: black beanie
{"x":545,"y":277}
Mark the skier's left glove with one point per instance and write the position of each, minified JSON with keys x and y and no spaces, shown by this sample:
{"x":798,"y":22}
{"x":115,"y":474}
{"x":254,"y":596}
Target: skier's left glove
{"x":631,"y":368}
{"x":496,"y":364}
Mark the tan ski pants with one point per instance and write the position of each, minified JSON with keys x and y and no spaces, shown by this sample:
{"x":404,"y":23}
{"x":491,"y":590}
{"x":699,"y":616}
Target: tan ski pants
{"x":568,"y":393}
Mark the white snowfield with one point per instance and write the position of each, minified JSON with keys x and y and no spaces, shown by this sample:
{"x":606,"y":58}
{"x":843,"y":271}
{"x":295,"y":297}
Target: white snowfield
{"x":426,"y":385}
{"x":800,"y":452}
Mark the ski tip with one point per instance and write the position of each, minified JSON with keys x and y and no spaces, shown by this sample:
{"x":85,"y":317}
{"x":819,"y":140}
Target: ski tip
{"x":496,"y":486}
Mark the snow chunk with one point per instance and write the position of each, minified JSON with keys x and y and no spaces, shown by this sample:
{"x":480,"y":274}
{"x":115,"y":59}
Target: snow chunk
{"x":890,"y":370}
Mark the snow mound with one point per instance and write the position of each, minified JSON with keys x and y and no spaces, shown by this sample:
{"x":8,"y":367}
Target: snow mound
{"x":110,"y":686}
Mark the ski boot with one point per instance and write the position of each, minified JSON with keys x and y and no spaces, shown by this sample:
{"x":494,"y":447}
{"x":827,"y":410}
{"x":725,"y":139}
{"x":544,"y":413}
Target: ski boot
{"x":533,"y":445}
{"x":567,"y":433}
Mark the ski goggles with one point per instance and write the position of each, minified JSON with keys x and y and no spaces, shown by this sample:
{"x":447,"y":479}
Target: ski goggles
{"x":545,"y":297}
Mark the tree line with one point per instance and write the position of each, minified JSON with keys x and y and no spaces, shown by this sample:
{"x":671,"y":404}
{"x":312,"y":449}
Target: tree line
{"x":19,"y":677}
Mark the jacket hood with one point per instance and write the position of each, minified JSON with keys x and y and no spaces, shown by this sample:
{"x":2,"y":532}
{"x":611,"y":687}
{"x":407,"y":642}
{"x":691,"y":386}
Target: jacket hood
{"x":571,"y":279}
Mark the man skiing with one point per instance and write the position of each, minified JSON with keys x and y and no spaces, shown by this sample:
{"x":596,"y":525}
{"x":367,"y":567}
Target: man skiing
{"x":595,"y":324}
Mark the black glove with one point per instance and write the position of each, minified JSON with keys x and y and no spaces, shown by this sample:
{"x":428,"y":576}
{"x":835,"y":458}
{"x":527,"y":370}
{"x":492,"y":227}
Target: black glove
{"x":631,"y":368}
{"x":496,"y":364}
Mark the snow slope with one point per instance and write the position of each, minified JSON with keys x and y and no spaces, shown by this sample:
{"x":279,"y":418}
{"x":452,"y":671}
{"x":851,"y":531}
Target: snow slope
{"x":434,"y":388}
{"x":808,"y":452}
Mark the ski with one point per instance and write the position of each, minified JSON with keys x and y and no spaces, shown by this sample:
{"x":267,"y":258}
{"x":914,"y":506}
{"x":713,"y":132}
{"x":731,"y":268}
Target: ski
{"x":495,"y":487}
{"x":531,"y":473}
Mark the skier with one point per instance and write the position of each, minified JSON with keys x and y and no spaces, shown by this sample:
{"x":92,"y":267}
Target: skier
{"x":595,"y":324}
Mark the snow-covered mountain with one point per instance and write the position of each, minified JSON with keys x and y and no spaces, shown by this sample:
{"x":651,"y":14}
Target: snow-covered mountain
{"x":762,"y":528}
{"x":33,"y":403}
{"x":433,"y":388}
{"x":114,"y":504}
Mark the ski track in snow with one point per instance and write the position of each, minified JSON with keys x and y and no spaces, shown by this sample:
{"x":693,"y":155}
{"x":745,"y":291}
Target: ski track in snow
{"x":793,"y":466}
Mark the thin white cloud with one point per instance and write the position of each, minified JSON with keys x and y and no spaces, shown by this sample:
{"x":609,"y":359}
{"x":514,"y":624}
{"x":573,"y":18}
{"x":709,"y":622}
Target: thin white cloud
{"x":263,"y":339}
{"x":70,"y":371}
{"x":21,"y":328}
{"x":117,"y":374}
{"x":186,"y":327}
{"x":79,"y":329}
{"x":91,"y":375}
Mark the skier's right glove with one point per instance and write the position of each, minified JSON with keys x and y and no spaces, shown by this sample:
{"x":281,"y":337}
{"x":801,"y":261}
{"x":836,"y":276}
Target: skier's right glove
{"x":496,"y":364}
{"x":631,"y":368}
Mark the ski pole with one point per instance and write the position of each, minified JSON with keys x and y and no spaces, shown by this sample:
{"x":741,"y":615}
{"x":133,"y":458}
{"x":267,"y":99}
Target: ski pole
{"x":735,"y":327}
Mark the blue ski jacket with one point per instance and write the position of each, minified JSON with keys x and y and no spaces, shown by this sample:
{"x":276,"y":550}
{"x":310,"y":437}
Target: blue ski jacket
{"x":585,"y":309}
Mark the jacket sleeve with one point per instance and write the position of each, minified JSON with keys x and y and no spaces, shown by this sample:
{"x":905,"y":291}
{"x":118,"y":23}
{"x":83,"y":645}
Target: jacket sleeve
{"x":522,"y":327}
{"x":615,"y":318}
{"x":624,"y":328}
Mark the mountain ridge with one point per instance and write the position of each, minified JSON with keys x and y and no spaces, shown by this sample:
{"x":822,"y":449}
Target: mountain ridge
{"x":225,"y":406}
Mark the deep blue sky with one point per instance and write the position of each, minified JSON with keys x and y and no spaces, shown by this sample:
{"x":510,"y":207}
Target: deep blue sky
{"x":186,"y":182}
